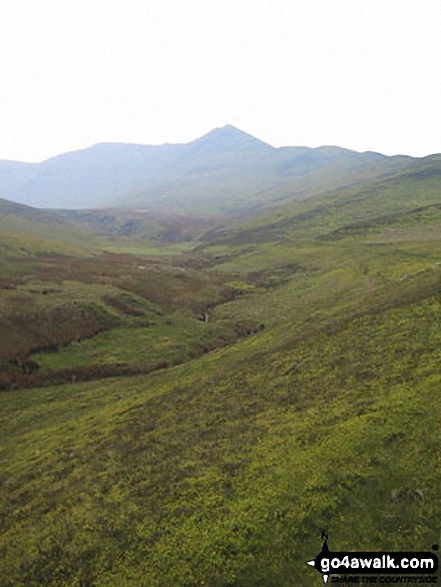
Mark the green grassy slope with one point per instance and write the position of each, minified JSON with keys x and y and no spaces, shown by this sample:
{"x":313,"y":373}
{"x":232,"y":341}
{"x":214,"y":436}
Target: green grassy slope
{"x":222,"y":468}
{"x":377,"y":201}
{"x":26,"y":231}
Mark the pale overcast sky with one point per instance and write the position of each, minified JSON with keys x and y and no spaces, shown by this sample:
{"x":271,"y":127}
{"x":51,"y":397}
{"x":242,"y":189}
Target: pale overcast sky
{"x":362,"y":74}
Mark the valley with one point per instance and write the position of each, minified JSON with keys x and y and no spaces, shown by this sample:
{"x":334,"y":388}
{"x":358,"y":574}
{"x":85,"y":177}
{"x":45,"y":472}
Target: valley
{"x":189,"y":398}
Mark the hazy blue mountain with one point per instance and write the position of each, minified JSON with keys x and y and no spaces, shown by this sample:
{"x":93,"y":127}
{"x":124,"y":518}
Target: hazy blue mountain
{"x":13,"y":175}
{"x":226,"y":170}
{"x":87,"y":178}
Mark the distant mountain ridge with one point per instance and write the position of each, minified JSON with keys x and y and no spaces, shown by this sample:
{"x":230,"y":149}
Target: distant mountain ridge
{"x":225,"y":171}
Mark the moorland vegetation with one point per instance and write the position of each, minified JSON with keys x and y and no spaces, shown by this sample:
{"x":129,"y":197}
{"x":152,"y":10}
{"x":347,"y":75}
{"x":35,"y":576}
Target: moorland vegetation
{"x":190,"y":401}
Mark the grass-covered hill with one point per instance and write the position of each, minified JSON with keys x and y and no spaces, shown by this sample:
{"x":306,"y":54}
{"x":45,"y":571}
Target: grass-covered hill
{"x":373,"y":202}
{"x":187,"y":416}
{"x":225,"y":171}
{"x":27,"y":231}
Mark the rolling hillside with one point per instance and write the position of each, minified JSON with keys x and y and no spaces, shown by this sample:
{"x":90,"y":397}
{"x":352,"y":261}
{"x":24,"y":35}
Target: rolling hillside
{"x":196,"y":414}
{"x":25,"y":231}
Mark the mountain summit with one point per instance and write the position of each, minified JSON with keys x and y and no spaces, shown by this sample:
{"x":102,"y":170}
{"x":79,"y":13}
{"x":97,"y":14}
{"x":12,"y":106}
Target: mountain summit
{"x":228,"y":137}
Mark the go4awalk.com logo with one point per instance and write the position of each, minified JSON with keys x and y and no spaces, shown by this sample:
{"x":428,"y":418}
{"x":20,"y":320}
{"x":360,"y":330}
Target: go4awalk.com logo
{"x":376,"y":567}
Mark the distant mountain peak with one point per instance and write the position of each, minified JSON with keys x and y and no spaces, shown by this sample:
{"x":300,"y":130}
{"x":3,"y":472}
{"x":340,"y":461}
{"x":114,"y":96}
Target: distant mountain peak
{"x":226,"y":137}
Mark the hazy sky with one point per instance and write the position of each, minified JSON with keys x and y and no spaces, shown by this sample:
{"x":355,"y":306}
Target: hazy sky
{"x":363,"y":74}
